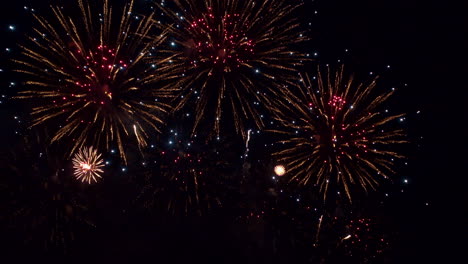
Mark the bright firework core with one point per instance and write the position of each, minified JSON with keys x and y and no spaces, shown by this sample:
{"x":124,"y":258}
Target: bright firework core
{"x":337,"y":138}
{"x":85,"y":166}
{"x":100,"y":68}
{"x":220,"y":41}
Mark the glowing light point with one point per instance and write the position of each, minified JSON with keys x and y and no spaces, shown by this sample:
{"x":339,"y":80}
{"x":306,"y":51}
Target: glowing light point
{"x":85,"y":166}
{"x":280,"y":170}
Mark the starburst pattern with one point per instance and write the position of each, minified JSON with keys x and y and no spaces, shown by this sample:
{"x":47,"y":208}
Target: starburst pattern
{"x":336,"y":134}
{"x":88,"y":165}
{"x":90,"y":75}
{"x":231,"y":56}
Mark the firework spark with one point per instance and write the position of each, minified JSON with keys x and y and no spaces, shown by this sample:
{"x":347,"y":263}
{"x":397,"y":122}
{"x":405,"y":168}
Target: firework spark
{"x":230,"y":56}
{"x":279,"y":170}
{"x":88,"y":165}
{"x":336,"y":134}
{"x":90,"y":74}
{"x":365,"y":240}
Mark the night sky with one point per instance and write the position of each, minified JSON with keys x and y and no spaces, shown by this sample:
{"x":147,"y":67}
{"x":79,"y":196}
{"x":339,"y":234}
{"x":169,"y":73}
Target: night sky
{"x":417,"y":212}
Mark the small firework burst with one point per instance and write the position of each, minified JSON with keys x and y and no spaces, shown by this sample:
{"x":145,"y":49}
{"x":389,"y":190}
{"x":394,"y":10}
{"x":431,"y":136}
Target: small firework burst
{"x":229,"y":57}
{"x":336,"y":134}
{"x":89,"y":75}
{"x":88,"y":165}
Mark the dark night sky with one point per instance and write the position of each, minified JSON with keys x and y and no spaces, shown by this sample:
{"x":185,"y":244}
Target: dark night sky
{"x":423,"y":41}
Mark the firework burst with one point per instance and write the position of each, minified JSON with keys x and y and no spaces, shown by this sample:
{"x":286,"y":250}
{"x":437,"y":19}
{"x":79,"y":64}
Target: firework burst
{"x":336,"y":136}
{"x":88,"y":165}
{"x":230,"y":56}
{"x":90,"y":74}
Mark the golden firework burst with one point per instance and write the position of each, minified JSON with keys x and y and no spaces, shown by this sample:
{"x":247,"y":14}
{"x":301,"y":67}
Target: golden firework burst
{"x":89,"y":75}
{"x":230,"y":57}
{"x":88,"y":165}
{"x":335,"y":133}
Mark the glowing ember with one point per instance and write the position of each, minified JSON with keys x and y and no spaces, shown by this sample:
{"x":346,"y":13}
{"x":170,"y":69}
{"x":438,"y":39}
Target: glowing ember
{"x":280,"y":170}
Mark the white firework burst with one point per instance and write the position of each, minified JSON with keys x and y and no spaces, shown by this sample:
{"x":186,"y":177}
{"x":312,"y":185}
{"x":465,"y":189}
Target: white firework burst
{"x":88,"y":164}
